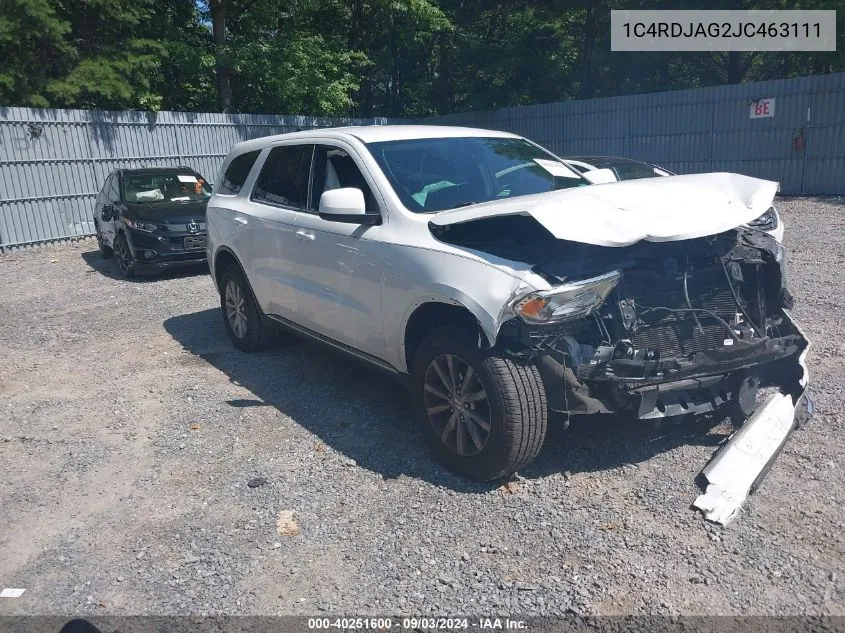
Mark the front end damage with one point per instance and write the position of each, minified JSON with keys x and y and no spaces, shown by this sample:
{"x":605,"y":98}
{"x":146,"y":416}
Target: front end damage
{"x":690,"y":327}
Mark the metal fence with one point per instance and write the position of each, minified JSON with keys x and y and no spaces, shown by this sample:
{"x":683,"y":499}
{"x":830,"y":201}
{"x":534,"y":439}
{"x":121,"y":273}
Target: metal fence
{"x":797,"y":140}
{"x":53,"y":162}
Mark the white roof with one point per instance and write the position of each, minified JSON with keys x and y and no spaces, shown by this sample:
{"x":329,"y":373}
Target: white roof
{"x":376,"y":133}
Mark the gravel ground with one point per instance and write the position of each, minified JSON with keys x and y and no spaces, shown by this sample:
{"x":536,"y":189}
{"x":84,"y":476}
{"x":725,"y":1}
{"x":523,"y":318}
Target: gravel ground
{"x":130,"y":429}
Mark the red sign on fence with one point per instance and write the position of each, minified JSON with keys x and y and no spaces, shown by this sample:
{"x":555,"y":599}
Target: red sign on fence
{"x":763,"y":108}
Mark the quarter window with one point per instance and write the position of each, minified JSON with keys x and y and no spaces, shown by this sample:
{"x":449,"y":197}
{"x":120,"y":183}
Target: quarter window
{"x":284,"y":176}
{"x":237,"y":172}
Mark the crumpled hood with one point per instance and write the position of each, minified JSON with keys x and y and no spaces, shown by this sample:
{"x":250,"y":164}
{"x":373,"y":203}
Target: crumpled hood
{"x":619,"y":214}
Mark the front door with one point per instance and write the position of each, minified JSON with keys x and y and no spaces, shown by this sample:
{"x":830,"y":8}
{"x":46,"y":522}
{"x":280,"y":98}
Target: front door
{"x":338,"y":268}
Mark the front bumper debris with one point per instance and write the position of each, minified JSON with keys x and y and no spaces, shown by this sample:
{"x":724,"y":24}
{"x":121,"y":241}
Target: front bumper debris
{"x":740,"y":465}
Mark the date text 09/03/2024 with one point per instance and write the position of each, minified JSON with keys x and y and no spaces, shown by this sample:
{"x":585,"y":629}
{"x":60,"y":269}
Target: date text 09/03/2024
{"x":414,"y":623}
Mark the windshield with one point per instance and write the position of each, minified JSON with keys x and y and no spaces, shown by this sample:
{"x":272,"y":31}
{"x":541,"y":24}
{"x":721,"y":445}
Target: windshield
{"x":165,"y":186}
{"x":443,"y":173}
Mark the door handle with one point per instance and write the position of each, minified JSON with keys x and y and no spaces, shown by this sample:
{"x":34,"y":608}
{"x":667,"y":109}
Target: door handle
{"x":305,"y":235}
{"x":240,"y":220}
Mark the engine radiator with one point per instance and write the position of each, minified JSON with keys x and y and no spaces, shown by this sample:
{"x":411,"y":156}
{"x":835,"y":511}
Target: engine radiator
{"x":676,"y":333}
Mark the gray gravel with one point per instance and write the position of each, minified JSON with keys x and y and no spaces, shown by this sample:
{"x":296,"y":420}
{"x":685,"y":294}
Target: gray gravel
{"x":130,"y":429}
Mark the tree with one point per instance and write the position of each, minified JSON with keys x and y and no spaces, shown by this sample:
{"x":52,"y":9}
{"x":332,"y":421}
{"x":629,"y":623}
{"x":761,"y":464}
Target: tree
{"x":218,"y":10}
{"x":33,"y":49}
{"x":398,"y":58}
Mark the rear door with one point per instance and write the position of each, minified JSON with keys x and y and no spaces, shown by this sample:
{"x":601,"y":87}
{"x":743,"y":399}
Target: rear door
{"x":269,"y":222}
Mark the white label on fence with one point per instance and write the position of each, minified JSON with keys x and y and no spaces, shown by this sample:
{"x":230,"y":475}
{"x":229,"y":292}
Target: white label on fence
{"x":762,"y":108}
{"x":183,"y":178}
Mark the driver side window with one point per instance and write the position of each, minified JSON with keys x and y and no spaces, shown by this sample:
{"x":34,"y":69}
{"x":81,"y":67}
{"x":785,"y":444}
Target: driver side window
{"x":334,"y":168}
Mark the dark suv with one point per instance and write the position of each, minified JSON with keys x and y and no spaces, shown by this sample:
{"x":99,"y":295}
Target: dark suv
{"x":153,"y":218}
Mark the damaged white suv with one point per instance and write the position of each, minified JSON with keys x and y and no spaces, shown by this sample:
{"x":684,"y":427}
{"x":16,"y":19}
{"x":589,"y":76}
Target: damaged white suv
{"x":489,"y":273}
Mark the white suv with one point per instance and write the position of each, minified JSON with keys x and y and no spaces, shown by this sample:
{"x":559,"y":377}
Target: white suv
{"x":487,"y":272}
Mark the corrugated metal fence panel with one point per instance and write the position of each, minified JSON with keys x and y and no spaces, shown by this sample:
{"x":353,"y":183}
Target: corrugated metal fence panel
{"x":701,"y":129}
{"x":53,"y":162}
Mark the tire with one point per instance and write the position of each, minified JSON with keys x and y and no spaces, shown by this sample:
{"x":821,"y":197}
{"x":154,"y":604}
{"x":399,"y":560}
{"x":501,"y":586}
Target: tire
{"x":514,"y":406}
{"x":124,"y":257}
{"x":106,"y":252}
{"x":248,"y":328}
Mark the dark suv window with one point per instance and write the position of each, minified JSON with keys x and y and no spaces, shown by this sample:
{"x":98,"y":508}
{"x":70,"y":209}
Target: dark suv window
{"x":631,"y":170}
{"x":284,"y":177}
{"x":237,"y":172}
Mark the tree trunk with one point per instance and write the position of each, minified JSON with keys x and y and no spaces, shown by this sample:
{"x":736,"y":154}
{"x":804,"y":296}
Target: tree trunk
{"x":734,"y":71}
{"x":590,"y":32}
{"x":224,"y":73}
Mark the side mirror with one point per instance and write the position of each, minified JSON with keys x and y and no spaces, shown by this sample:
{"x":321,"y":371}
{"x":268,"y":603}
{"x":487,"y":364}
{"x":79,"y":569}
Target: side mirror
{"x":600,"y":176}
{"x":346,"y":205}
{"x":107,"y":212}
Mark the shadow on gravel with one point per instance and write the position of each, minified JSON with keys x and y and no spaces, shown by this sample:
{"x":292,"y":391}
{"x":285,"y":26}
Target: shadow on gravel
{"x":366,"y":416}
{"x":604,"y":442}
{"x":108,"y":268}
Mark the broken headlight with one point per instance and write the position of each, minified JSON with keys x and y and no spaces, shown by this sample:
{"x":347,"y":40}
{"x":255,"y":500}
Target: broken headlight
{"x":766,"y":222}
{"x":140,"y":225}
{"x":568,"y":302}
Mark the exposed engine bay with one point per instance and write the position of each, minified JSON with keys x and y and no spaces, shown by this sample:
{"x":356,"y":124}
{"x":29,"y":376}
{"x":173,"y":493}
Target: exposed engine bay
{"x":690,"y":325}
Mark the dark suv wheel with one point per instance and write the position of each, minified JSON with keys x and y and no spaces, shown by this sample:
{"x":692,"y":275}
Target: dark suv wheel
{"x":106,"y":252}
{"x":247,"y":327}
{"x":484,"y":414}
{"x":123,"y":254}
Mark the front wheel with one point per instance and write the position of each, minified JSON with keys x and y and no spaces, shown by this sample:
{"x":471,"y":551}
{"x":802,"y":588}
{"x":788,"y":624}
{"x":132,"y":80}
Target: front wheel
{"x":123,"y":254}
{"x":484,"y":414}
{"x":106,"y":252}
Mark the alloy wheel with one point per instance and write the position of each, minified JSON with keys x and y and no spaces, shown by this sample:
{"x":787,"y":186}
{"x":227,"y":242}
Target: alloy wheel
{"x":236,"y":308}
{"x":124,"y":260}
{"x":457,"y":405}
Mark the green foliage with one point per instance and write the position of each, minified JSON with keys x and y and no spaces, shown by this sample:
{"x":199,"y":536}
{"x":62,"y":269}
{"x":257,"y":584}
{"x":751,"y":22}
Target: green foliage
{"x":33,"y":48}
{"x":400,"y":58}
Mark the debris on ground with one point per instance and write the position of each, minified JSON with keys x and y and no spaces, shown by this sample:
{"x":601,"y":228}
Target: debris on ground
{"x":286,"y":525}
{"x":508,"y":488}
{"x":256,"y":482}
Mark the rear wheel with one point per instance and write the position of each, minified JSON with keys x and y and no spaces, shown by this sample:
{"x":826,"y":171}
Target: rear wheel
{"x":247,"y":327}
{"x":123,"y":254}
{"x":484,"y":414}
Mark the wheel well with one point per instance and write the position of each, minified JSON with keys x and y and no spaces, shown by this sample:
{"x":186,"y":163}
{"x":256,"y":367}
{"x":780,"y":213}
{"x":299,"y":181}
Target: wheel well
{"x":223,"y":260}
{"x":431,"y":316}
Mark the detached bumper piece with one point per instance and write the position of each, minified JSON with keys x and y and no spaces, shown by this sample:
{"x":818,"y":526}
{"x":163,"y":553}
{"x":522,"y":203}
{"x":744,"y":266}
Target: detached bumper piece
{"x":740,"y":466}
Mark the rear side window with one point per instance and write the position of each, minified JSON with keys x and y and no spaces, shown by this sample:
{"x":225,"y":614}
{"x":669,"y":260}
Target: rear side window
{"x":237,"y":172}
{"x":284,"y":176}
{"x":632,"y":171}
